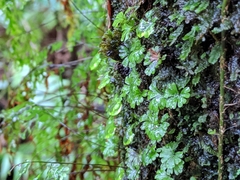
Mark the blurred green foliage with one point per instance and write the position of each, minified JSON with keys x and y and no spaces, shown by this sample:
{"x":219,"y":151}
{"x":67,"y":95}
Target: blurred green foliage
{"x":54,"y":125}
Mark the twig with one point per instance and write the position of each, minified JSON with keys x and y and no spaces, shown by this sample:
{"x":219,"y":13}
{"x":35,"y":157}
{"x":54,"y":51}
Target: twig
{"x":69,"y":64}
{"x":221,"y":98}
{"x":86,"y":16}
{"x":67,"y":163}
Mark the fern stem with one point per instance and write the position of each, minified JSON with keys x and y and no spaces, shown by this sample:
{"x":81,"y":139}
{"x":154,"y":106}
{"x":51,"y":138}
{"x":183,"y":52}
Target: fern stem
{"x":221,"y":98}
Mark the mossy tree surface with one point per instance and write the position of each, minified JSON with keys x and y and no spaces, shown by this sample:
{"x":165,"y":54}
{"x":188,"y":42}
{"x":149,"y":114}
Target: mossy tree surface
{"x":53,"y":119}
{"x":162,"y":59}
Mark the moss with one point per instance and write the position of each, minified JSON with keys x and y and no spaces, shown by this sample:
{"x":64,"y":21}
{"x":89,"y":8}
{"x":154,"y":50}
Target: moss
{"x":190,"y":124}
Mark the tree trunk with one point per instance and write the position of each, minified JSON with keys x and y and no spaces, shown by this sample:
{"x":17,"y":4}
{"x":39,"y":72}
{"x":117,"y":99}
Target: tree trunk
{"x":179,"y":101}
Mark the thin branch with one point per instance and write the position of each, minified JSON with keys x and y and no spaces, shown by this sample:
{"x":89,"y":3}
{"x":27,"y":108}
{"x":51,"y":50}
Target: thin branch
{"x":67,"y":163}
{"x":85,"y":16}
{"x":230,"y":89}
{"x":221,"y":98}
{"x":70,"y":63}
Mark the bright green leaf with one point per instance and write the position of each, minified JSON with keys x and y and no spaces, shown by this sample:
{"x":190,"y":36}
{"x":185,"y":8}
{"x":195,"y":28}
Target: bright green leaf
{"x":95,"y":61}
{"x":171,"y":90}
{"x":202,"y":6}
{"x":186,"y":49}
{"x":129,"y":135}
{"x":145,"y":29}
{"x":56,"y":46}
{"x":172,"y":102}
{"x":115,"y":106}
{"x":212,"y":131}
{"x":185,"y":92}
{"x":110,"y":148}
{"x":191,"y":5}
{"x":133,"y":163}
{"x":127,"y":30}
{"x":109,"y":129}
{"x":215,"y":53}
{"x":158,"y":100}
{"x":191,"y":35}
{"x":105,"y":81}
{"x":149,"y":155}
{"x":171,"y":160}
{"x":155,"y":131}
{"x":119,"y":173}
{"x":162,"y":175}
{"x":120,"y":19}
{"x":151,"y":68}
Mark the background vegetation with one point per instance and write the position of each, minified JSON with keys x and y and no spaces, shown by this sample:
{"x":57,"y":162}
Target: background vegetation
{"x":53,"y":114}
{"x":154,"y":96}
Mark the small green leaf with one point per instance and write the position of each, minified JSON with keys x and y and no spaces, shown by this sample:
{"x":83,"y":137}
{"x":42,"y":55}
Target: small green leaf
{"x":181,"y":101}
{"x":131,"y":91}
{"x":157,"y":98}
{"x":162,"y":2}
{"x":174,"y":98}
{"x":186,"y":49}
{"x":202,"y":65}
{"x":182,"y":82}
{"x":191,"y":5}
{"x":226,"y":25}
{"x":179,"y":17}
{"x":189,"y":38}
{"x":164,"y":117}
{"x":149,"y":15}
{"x":115,"y":106}
{"x":120,"y":19}
{"x":133,"y":163}
{"x":175,"y":34}
{"x":191,"y":35}
{"x":178,"y":165}
{"x":151,"y":68}
{"x":127,"y":30}
{"x":149,"y":155}
{"x":171,"y":160}
{"x":185,"y":92}
{"x":171,"y":90}
{"x":196,"y":79}
{"x":136,"y":98}
{"x":95,"y":61}
{"x":212,"y":131}
{"x":104,"y":81}
{"x":129,"y":135}
{"x":155,"y":131}
{"x":56,"y":46}
{"x":204,"y":102}
{"x":132,"y":52}
{"x":110,"y":148}
{"x":119,"y":173}
{"x":158,"y":103}
{"x":145,"y":29}
{"x":215,"y":53}
{"x":171,"y":131}
{"x":124,"y":50}
{"x":203,"y":118}
{"x":202,"y":6}
{"x":109,"y":129}
{"x":162,"y":175}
